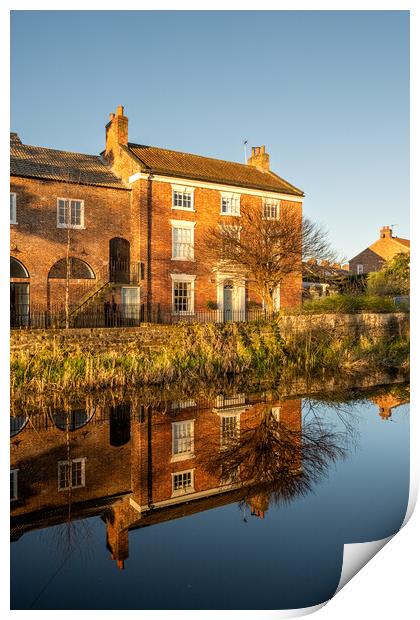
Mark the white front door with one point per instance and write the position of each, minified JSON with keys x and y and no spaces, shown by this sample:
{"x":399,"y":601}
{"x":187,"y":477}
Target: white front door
{"x":130,"y":298}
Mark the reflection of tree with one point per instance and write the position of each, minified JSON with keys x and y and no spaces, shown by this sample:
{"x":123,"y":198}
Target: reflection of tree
{"x":276,"y":459}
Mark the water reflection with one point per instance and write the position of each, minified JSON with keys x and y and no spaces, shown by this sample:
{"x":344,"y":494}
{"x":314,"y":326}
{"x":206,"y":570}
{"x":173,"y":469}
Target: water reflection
{"x":136,"y":464}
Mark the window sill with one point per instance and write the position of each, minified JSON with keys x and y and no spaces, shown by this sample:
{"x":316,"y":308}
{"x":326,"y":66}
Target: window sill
{"x":182,"y":258}
{"x":183,"y":209}
{"x":230,"y":214}
{"x":71,"y":227}
{"x":13,"y":223}
{"x":182,"y":492}
{"x":176,"y":458}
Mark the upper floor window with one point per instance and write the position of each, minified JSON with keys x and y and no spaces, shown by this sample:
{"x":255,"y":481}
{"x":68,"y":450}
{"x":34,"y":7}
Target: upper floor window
{"x":70,"y":213}
{"x":271,"y":209}
{"x":230,"y":204}
{"x":182,"y":198}
{"x":182,"y":440}
{"x":182,"y":240}
{"x":13,"y":484}
{"x":71,"y":474}
{"x":13,"y":208}
{"x":359,"y":269}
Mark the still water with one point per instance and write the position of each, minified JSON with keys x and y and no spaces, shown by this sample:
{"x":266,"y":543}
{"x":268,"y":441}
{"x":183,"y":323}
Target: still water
{"x":238,"y":501}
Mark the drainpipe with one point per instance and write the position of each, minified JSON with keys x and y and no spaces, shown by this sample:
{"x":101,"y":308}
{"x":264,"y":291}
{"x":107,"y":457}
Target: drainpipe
{"x":149,"y":247}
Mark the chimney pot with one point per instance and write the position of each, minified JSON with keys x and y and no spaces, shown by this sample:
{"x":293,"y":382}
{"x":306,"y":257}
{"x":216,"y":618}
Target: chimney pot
{"x":120,"y":110}
{"x":385,"y":232}
{"x":259,"y":158}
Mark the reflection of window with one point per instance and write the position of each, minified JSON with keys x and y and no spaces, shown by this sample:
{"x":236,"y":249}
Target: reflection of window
{"x":183,"y":439}
{"x":183,"y":404}
{"x":229,"y":429}
{"x":229,"y":475}
{"x":183,"y":482}
{"x":70,"y":420}
{"x":71,"y":474}
{"x":230,"y":204}
{"x":70,"y":213}
{"x":230,"y":401}
{"x":276,"y":413}
{"x":13,"y":208}
{"x":13,"y":484}
{"x":182,"y":240}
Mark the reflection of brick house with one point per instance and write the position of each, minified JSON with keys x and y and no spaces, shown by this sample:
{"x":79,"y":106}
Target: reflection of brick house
{"x":134,"y":469}
{"x":383,"y":249}
{"x":143,"y":209}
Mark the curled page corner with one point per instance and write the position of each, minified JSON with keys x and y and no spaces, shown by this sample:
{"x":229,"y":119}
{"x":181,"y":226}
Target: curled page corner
{"x":303,"y":611}
{"x":356,"y":556}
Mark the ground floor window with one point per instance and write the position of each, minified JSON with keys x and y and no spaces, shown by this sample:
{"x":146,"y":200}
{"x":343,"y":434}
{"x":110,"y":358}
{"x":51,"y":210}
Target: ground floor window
{"x":13,"y":484}
{"x":182,"y":293}
{"x":71,"y":474}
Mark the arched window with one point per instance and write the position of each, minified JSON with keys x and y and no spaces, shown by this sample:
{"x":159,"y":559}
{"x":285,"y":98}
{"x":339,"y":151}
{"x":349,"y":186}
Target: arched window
{"x":17,"y":269}
{"x":17,"y":423}
{"x":70,"y":420}
{"x":79,"y":270}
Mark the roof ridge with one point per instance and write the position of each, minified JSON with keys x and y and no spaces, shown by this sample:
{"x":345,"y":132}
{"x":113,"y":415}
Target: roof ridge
{"x":161,"y":148}
{"x":47,"y":148}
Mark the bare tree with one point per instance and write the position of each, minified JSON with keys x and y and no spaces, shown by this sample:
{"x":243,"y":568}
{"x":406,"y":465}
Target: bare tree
{"x":265,"y":247}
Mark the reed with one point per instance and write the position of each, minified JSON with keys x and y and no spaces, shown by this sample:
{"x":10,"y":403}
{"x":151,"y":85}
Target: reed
{"x":199,"y":353}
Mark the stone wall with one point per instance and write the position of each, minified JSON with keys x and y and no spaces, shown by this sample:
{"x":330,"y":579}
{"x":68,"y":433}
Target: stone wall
{"x":151,"y":336}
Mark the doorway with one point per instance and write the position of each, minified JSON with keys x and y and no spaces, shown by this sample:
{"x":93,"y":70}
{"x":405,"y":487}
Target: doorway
{"x":228,"y":301}
{"x":119,"y":260}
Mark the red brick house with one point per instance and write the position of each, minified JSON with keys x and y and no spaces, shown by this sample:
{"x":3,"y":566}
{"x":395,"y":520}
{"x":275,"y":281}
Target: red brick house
{"x":128,"y":224}
{"x":383,"y":249}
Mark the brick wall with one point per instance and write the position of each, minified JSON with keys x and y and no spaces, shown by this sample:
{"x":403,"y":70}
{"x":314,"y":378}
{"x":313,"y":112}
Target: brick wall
{"x":38,"y":243}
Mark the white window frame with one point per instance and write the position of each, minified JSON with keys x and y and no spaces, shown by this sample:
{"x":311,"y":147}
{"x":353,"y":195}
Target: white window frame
{"x":14,"y":473}
{"x":183,"y":456}
{"x":82,"y":214}
{"x":235,"y":199}
{"x":226,"y":414}
{"x":186,"y":225}
{"x":359,"y":268}
{"x":70,"y":462}
{"x":13,"y":215}
{"x":183,"y":491}
{"x":182,"y":277}
{"x":270,"y":203}
{"x":182,"y":189}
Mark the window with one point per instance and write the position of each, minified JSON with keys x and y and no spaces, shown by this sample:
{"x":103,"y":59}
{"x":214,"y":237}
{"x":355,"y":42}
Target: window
{"x":230,"y":204}
{"x":359,"y":269}
{"x":70,"y":213}
{"x":182,"y":440}
{"x":183,"y":482}
{"x":229,"y":475}
{"x":182,"y":293}
{"x":182,"y":240}
{"x":229,"y":429}
{"x":13,"y":484}
{"x":13,"y":208}
{"x":182,"y":198}
{"x":271,"y":209}
{"x":275,"y":411}
{"x":71,"y":474}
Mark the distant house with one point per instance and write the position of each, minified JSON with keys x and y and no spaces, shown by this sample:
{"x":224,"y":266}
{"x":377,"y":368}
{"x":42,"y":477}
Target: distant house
{"x":321,"y":278}
{"x":383,"y":249}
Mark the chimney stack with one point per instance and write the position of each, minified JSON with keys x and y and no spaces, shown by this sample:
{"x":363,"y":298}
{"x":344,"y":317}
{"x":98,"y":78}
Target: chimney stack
{"x":116,"y":131}
{"x":385,"y":232}
{"x":259,"y":158}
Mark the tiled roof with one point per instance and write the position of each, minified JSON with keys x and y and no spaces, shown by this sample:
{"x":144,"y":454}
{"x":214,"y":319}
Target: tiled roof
{"x":405,"y":242}
{"x":42,"y":163}
{"x":186,"y":165}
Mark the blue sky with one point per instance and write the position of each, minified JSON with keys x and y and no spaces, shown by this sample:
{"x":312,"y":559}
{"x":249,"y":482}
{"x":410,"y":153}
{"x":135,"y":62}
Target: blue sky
{"x":326,"y":92}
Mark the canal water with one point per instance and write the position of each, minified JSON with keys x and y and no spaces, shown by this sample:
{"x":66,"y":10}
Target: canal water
{"x":234,"y":501}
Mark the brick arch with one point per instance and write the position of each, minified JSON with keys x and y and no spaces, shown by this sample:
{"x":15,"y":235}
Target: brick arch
{"x":18,"y":269}
{"x":79,"y":269}
{"x":71,"y":420}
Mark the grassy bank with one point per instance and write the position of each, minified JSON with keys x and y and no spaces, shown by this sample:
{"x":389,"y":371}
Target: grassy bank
{"x":206,"y":352}
{"x":350,"y":304}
